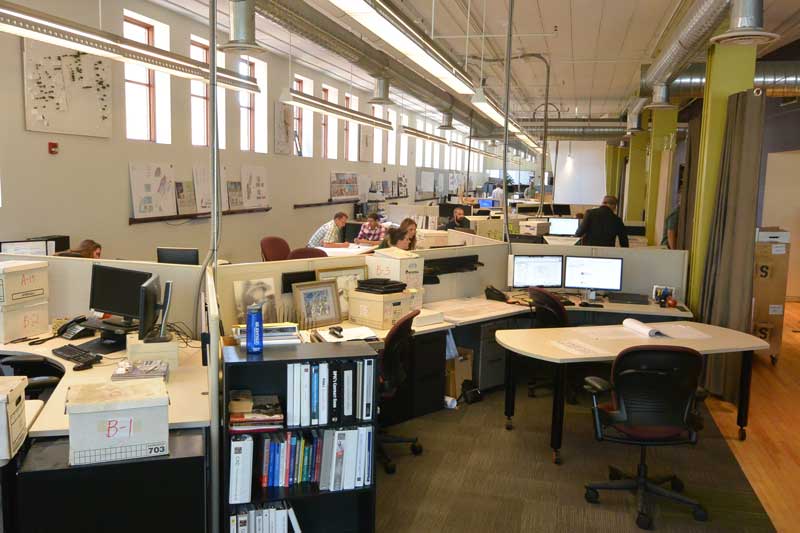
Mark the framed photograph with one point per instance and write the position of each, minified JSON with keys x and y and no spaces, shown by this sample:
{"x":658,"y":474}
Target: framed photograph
{"x":316,"y":303}
{"x":346,"y":279}
{"x":255,"y":291}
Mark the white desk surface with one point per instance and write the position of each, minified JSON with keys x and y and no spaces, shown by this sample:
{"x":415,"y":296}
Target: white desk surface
{"x":187,"y":388}
{"x":32,"y":410}
{"x":381,"y":333}
{"x":353,"y":249}
{"x":539,"y":343}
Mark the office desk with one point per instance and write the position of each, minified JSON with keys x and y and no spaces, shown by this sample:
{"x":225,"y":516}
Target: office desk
{"x":353,"y":249}
{"x":540,"y":344}
{"x":465,"y":311}
{"x":187,"y":388}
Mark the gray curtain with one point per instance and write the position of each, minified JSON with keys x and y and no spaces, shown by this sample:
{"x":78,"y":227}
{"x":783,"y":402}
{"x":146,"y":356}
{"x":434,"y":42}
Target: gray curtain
{"x":726,"y":298}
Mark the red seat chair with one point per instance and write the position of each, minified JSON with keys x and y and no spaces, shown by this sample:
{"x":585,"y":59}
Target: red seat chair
{"x":274,"y":249}
{"x":306,"y":253}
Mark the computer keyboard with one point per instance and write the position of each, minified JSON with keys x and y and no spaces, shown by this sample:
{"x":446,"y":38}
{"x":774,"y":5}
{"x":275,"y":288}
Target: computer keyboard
{"x":76,"y":355}
{"x":627,"y":298}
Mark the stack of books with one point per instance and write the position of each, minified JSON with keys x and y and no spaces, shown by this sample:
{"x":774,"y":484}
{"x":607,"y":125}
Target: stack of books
{"x":335,"y":392}
{"x":254,"y":414}
{"x":273,"y":334}
{"x":143,"y":369}
{"x":267,"y":518}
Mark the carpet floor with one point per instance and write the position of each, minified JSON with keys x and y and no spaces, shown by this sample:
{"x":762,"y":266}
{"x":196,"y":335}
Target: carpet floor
{"x":474,"y":476}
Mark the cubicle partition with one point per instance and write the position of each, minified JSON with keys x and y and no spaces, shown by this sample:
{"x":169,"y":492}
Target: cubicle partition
{"x":211,"y":323}
{"x":492,"y":255}
{"x":642,"y":267}
{"x":70,"y":281}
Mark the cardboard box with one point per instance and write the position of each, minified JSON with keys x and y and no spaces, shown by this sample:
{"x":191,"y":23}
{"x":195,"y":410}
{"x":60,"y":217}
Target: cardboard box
{"x":534,"y":227}
{"x":152,"y":351}
{"x":13,"y":426}
{"x":770,"y":277}
{"x":23,"y":281}
{"x":457,"y":370}
{"x":27,"y":319}
{"x":117,"y":421}
{"x":398,"y":265}
{"x":379,"y":311}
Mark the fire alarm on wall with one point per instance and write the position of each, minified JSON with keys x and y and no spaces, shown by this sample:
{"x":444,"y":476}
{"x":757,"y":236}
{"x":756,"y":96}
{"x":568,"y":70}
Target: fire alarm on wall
{"x":52,"y":148}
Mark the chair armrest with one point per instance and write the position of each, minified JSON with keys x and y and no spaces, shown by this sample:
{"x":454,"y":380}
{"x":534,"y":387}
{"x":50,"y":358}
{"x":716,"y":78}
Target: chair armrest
{"x":22,"y":359}
{"x":42,"y":382}
{"x":596,"y":385}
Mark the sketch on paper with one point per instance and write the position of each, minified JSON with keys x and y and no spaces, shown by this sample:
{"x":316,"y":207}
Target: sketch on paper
{"x":235,"y":198}
{"x":365,"y":144}
{"x":202,"y":188}
{"x":184,"y":193}
{"x":254,"y":185}
{"x":152,"y":189}
{"x":344,"y":185}
{"x":284,"y":126}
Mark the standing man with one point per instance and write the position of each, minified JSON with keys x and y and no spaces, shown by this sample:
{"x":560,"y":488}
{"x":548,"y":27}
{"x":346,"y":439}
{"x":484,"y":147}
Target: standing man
{"x":497,"y":194}
{"x":601,"y":226}
{"x":328,"y":234}
{"x":458,"y":221}
{"x":371,"y":232}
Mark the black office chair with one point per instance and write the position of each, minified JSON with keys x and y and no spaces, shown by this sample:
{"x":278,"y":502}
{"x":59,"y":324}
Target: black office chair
{"x":43,"y":374}
{"x":653,"y":399}
{"x":394,"y":363}
{"x":549,"y":313}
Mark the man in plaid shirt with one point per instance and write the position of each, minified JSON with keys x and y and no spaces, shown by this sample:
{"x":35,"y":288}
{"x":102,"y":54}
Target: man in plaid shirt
{"x":372,"y":232}
{"x":329,"y":233}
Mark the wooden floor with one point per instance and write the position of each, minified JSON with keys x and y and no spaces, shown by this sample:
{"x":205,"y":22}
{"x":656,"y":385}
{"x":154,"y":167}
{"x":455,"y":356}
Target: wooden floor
{"x":770,"y":457}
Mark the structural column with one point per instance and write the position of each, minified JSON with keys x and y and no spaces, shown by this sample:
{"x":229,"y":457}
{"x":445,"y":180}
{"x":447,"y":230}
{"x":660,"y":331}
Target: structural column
{"x":636,"y":184}
{"x":664,"y":125}
{"x":612,"y":158}
{"x":619,"y":168}
{"x":730,"y":69}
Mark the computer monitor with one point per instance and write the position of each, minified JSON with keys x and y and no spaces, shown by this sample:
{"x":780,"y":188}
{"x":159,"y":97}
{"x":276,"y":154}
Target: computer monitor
{"x":562,"y":209}
{"x":149,"y":306}
{"x":602,"y":273}
{"x":28,"y":247}
{"x":178,"y":256}
{"x":485,"y":202}
{"x":563,"y":226}
{"x":116,"y":291}
{"x":535,"y":271}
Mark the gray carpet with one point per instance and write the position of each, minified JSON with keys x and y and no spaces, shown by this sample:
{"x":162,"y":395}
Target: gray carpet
{"x":476,"y":476}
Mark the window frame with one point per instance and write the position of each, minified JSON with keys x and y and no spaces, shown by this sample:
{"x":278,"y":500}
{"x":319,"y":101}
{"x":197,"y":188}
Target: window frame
{"x":150,"y":29}
{"x":205,"y":96}
{"x":251,"y":108}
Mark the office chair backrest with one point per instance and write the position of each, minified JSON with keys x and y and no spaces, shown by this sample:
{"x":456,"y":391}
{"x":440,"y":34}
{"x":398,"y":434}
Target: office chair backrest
{"x":396,"y":354}
{"x":274,"y":249}
{"x":550,"y":312}
{"x":306,"y":253}
{"x":656,"y":385}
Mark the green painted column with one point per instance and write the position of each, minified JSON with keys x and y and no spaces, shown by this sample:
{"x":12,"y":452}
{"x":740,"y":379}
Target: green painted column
{"x":636,"y":188}
{"x":730,"y":69}
{"x":622,"y":153}
{"x":612,"y":156}
{"x":664,"y":125}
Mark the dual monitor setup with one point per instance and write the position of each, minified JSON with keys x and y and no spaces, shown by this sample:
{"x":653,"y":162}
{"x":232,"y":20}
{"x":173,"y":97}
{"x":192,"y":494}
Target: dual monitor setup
{"x":570,"y":272}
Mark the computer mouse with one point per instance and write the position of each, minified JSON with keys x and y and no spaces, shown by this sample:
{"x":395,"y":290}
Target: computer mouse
{"x":82,"y":366}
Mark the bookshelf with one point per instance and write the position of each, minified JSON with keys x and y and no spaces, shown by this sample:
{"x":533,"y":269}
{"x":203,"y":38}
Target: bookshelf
{"x":266,"y":373}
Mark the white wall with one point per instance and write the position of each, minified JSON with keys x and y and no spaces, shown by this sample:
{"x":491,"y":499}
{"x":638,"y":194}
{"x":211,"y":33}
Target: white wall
{"x":84,"y":191}
{"x":781,"y":192}
{"x":581,"y":179}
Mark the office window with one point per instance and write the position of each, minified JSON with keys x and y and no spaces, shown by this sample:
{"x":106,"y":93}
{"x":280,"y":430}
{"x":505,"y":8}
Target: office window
{"x":428,"y":147}
{"x":303,"y":120}
{"x":330,"y":126}
{"x":199,"y":95}
{"x":391,"y":143}
{"x":446,"y":162}
{"x":419,"y":145}
{"x":298,"y":119}
{"x":377,"y":136}
{"x":247,"y":110}
{"x":147,"y":92}
{"x":404,"y":142}
{"x":351,"y":129}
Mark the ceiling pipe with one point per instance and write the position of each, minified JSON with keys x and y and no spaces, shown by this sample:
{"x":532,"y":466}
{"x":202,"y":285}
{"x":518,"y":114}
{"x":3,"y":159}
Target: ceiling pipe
{"x":746,"y":25}
{"x":582,"y":133}
{"x":381,"y":94}
{"x":242,"y":28}
{"x":447,"y":121}
{"x":778,"y":79}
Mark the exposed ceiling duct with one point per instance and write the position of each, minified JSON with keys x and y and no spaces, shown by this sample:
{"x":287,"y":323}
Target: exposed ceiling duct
{"x":778,"y":79}
{"x":447,"y":121}
{"x":381,"y":94}
{"x":746,"y":24}
{"x":582,"y":133}
{"x":242,"y":28}
{"x":302,"y":19}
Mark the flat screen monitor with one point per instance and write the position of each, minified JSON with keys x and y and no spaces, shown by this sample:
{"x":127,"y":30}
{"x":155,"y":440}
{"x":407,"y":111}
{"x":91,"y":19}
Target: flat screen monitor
{"x":28,"y":247}
{"x":563,"y":226}
{"x":116,"y":291}
{"x":149,"y":298}
{"x":536,"y":271}
{"x":178,"y":256}
{"x":562,"y":210}
{"x":485,"y":202}
{"x":602,"y":273}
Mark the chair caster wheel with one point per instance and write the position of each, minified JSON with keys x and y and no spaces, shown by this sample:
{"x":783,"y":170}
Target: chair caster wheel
{"x":644,"y":521}
{"x":556,"y":457}
{"x":742,"y":434}
{"x":773,"y":359}
{"x":509,"y":425}
{"x":390,"y":468}
{"x":676,"y":485}
{"x":416,"y":448}
{"x":591,"y":496}
{"x":700,"y":514}
{"x":614,"y":474}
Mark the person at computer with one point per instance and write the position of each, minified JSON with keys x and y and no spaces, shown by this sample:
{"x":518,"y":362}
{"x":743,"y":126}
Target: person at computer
{"x":396,"y":238}
{"x":87,"y":249}
{"x":601,"y":226}
{"x":458,"y":221}
{"x":328,"y":235}
{"x":409,"y":226}
{"x":371,"y":232}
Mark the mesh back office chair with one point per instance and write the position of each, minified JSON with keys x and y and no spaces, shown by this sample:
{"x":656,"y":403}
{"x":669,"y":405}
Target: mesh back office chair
{"x":394,"y":363}
{"x":274,"y":249}
{"x":653,"y":398}
{"x":306,"y":253}
{"x":550,"y":313}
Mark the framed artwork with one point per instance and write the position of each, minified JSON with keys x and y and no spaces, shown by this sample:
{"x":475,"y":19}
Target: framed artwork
{"x":255,"y":291}
{"x":346,"y":279}
{"x":316,"y":303}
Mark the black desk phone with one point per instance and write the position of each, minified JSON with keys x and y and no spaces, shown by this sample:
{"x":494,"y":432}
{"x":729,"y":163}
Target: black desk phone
{"x":72,"y":330}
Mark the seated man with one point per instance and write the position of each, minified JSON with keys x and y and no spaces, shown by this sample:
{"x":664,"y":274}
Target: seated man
{"x":458,"y":220}
{"x":329,"y":234}
{"x":371,"y":233}
{"x":601,"y":226}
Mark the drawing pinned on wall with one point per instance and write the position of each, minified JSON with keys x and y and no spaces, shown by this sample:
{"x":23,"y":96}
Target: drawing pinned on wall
{"x":365,"y":154}
{"x":185,"y":195}
{"x":202,"y":188}
{"x":235,"y":198}
{"x":152,"y":189}
{"x":283,"y":128}
{"x":402,"y":185}
{"x":66,"y":91}
{"x":254,"y":187}
{"x":344,"y":185}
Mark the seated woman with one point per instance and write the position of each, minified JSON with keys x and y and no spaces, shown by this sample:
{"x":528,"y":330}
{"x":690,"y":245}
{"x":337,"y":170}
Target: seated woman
{"x":396,"y":238}
{"x":88,"y":249}
{"x":408,"y":225}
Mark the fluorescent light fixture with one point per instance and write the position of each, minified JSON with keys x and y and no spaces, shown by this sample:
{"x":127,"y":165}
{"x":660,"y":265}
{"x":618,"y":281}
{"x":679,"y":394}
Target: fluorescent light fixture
{"x":382,"y":20}
{"x":296,"y":98}
{"x":424,"y":135}
{"x":486,"y":106}
{"x":29,"y":23}
{"x":530,"y":143}
{"x":475,"y":150}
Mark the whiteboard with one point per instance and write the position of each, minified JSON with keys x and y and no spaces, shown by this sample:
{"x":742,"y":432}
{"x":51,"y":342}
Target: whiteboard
{"x":426,"y":180}
{"x":66,"y":91}
{"x":581,"y":179}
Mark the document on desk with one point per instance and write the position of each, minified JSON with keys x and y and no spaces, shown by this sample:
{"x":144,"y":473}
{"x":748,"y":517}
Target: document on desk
{"x":633,"y":329}
{"x":349,"y":334}
{"x":577,"y":347}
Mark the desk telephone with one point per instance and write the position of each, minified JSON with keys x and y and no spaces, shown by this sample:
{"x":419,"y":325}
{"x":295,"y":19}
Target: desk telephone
{"x":71,"y":330}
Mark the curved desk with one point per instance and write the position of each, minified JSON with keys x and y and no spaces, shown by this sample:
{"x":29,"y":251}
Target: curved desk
{"x":546,"y":344}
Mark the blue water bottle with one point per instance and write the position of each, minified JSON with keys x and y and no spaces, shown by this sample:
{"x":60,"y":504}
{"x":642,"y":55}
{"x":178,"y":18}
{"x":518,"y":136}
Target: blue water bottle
{"x":255,"y":329}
